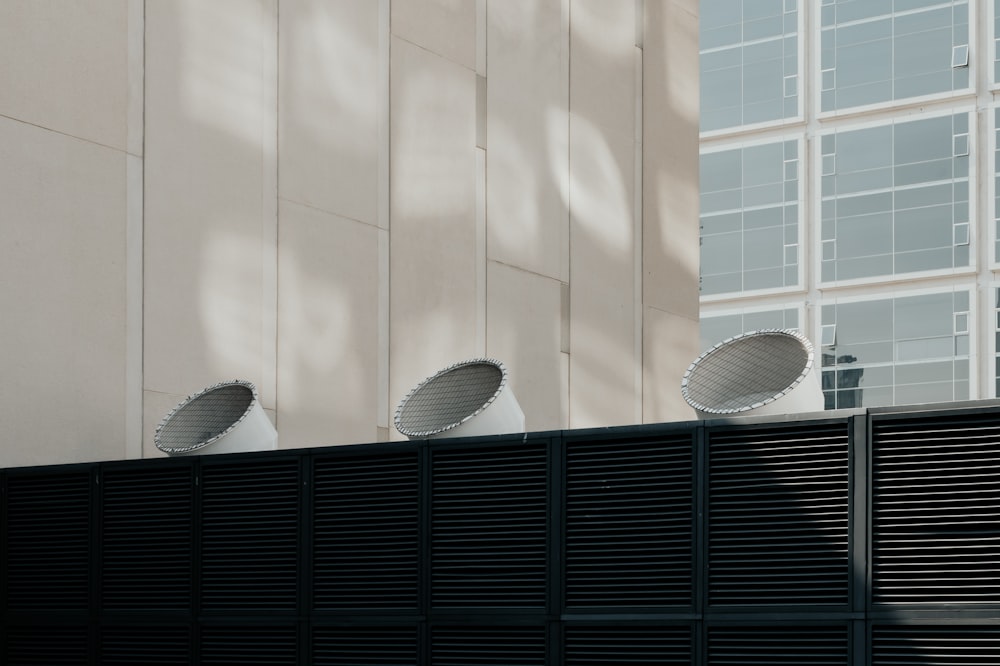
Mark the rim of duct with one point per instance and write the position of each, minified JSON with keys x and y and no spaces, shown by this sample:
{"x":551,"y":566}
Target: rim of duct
{"x":748,"y":371}
{"x":450,"y":397}
{"x":215,"y":417}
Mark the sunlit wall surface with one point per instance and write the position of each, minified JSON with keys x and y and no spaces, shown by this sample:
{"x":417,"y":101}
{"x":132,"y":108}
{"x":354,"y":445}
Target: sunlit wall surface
{"x":889,"y":197}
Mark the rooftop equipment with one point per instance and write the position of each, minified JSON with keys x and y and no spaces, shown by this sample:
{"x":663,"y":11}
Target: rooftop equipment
{"x":770,"y":371}
{"x":466,"y":399}
{"x":224,"y":418}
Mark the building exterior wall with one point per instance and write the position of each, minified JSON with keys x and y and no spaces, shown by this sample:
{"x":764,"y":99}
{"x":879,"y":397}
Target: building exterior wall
{"x":334,"y":200}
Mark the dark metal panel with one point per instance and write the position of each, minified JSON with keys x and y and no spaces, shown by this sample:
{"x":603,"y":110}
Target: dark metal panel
{"x":149,"y":645}
{"x":398,"y":645}
{"x":629,"y":643}
{"x":778,"y":644}
{"x":247,"y":644}
{"x":47,"y":645}
{"x":488,"y":645}
{"x":934,"y":645}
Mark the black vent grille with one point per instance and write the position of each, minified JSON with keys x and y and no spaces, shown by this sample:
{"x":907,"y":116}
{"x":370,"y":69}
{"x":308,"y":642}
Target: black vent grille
{"x":146,"y":645}
{"x":778,"y":516}
{"x":935,"y":645}
{"x":778,"y":645}
{"x":365,"y":646}
{"x":241,"y":645}
{"x":147,"y":538}
{"x":366,"y":540}
{"x":47,"y":646}
{"x":489,"y":527}
{"x":488,"y":646}
{"x":250,"y":536}
{"x":936,"y":511}
{"x":629,"y":523}
{"x":48,"y":541}
{"x":625,"y":646}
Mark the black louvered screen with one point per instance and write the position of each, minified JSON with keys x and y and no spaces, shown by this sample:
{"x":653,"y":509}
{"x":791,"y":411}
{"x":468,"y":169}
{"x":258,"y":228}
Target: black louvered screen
{"x":52,"y":645}
{"x":936,"y":510}
{"x":624,"y":645}
{"x":147,"y":538}
{"x":365,"y":646}
{"x":247,"y":644}
{"x":366,"y":532}
{"x":145,"y":645}
{"x":630,"y":523}
{"x":48,"y":541}
{"x":916,"y":645}
{"x":249,"y":535}
{"x":778,"y":515}
{"x":489,"y":527}
{"x":779,"y":645}
{"x":488,"y":646}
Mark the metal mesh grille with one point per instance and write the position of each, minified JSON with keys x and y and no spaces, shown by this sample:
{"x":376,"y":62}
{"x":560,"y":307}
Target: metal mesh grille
{"x":445,"y":400}
{"x":746,"y":371}
{"x":204,"y":417}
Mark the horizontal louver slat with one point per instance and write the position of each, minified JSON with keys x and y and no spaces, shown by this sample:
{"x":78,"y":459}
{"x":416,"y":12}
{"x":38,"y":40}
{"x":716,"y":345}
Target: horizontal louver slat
{"x":489,"y":528}
{"x":365,"y":646}
{"x":629,"y":523}
{"x":147,"y":538}
{"x":778,"y":515}
{"x":778,"y":646}
{"x":916,"y":645}
{"x":488,"y":646}
{"x":48,"y":541}
{"x":249,"y":542}
{"x":935,"y":504}
{"x":627,"y":646}
{"x":365,"y":532}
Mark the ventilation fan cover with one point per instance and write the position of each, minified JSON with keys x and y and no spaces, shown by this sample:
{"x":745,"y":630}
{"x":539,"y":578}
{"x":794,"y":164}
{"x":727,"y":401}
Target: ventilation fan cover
{"x":466,"y":399}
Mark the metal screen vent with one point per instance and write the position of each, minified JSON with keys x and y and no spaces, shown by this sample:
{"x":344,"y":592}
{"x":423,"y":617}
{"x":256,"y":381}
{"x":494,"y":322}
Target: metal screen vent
{"x":365,"y":646}
{"x":659,"y":645}
{"x":366,"y":538}
{"x":249,"y":536}
{"x":147,"y":538}
{"x":488,"y":646}
{"x":146,"y":645}
{"x":489,"y":527}
{"x":917,"y":645}
{"x":779,"y":645}
{"x":778,"y":515}
{"x":245,"y":645}
{"x":630,"y":523}
{"x":205,"y":417}
{"x":48,"y":541}
{"x":748,"y":371}
{"x":936,"y":510}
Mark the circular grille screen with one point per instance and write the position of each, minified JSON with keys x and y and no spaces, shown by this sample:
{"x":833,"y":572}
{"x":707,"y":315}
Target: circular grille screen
{"x":448,"y":398}
{"x":204,"y":417}
{"x":746,"y":371}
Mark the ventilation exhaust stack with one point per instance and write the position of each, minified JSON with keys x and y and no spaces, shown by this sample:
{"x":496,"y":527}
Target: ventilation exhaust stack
{"x":467,"y":399}
{"x":771,"y":371}
{"x":225,"y":418}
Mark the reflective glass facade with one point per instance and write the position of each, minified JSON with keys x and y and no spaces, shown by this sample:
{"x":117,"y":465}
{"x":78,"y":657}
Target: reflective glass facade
{"x":864,"y":210}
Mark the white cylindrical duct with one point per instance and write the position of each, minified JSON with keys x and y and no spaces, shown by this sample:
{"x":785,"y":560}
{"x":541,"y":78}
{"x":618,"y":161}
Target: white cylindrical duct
{"x":464,"y":400}
{"x":769,"y":371}
{"x":225,"y":418}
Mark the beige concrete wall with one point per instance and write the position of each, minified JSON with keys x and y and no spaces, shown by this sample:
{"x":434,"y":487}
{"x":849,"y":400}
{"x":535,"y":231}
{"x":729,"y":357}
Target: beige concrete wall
{"x":334,"y":201}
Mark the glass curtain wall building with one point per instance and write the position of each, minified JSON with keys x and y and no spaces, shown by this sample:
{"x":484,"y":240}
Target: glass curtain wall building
{"x":849,"y":189}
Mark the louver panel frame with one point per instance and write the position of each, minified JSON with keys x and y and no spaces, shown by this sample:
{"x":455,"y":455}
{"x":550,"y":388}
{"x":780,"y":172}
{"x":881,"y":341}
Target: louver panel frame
{"x":149,"y":645}
{"x":935,"y":509}
{"x":489,"y":526}
{"x":935,"y":644}
{"x":247,"y":644}
{"x":778,"y":644}
{"x":366,"y":532}
{"x":628,"y":644}
{"x":250,"y":535}
{"x":630,"y":522}
{"x":147,"y":537}
{"x":48,"y":539}
{"x":779,"y":504}
{"x":395,"y":645}
{"x":488,"y":645}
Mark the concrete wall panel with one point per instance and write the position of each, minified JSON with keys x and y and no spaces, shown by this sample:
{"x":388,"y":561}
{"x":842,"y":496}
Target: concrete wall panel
{"x":670,"y":344}
{"x":445,"y":27}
